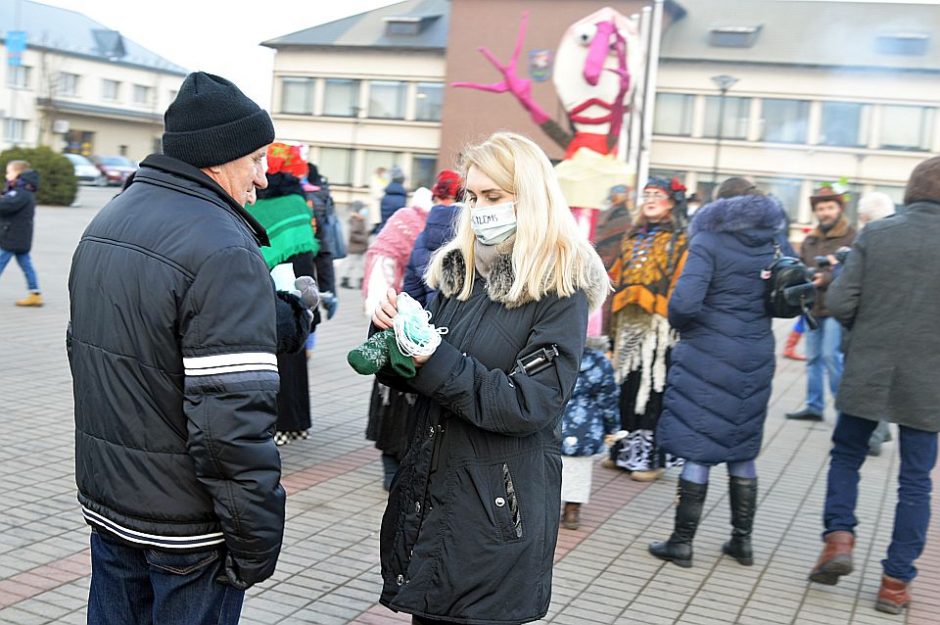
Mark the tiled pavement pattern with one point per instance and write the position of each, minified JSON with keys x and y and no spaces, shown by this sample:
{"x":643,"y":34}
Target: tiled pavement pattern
{"x":328,"y":570}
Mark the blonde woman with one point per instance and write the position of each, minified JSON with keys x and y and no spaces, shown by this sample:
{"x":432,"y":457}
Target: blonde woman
{"x":469,"y":532}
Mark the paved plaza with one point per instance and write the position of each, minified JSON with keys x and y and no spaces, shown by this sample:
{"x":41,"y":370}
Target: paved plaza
{"x":328,"y":571}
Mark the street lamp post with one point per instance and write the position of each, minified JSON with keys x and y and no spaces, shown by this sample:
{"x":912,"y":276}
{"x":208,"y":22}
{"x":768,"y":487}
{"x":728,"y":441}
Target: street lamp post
{"x":723,"y":82}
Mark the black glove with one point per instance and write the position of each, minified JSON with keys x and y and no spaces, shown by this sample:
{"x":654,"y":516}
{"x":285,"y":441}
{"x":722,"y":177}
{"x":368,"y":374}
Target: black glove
{"x":229,"y":576}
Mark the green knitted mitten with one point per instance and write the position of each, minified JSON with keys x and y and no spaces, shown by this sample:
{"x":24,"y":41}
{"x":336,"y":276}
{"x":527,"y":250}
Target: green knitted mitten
{"x":379,"y":351}
{"x":403,"y":366}
{"x":372,"y":355}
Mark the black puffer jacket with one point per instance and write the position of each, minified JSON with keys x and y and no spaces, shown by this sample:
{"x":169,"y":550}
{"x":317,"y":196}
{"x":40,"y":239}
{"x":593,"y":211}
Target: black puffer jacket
{"x":172,"y":346}
{"x":17,"y":211}
{"x":472,"y":519}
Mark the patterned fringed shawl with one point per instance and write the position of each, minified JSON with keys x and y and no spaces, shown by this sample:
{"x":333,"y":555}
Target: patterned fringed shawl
{"x":651,"y":261}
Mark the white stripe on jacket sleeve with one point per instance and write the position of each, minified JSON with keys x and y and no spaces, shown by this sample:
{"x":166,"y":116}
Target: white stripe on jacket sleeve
{"x":230,"y":363}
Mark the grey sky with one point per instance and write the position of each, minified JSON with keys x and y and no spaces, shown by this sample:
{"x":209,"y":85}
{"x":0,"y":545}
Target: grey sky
{"x":222,"y":37}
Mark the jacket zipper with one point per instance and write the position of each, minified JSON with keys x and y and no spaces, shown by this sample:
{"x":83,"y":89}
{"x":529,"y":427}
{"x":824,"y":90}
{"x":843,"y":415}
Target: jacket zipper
{"x":514,"y":511}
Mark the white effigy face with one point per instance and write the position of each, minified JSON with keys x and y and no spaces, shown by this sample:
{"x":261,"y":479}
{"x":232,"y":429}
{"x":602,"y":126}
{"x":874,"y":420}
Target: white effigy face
{"x":598,"y":64}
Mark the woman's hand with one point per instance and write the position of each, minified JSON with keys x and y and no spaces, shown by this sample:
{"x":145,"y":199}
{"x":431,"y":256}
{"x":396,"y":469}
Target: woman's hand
{"x":386,"y":311}
{"x":420,"y":360}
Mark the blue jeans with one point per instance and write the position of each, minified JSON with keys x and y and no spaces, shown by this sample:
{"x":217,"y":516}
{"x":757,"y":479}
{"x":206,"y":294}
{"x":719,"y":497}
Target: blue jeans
{"x":25,"y":263}
{"x":143,"y":586}
{"x":912,"y":514}
{"x":698,"y":473}
{"x":823,"y":354}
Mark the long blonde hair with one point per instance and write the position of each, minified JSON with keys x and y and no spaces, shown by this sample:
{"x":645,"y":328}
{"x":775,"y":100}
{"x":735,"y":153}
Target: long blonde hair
{"x":550,"y":254}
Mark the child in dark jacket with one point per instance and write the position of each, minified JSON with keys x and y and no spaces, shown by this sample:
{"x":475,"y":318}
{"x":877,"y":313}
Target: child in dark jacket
{"x":592,"y":414}
{"x":17,"y":211}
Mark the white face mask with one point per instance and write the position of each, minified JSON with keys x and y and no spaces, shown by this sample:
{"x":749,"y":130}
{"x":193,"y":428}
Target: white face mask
{"x":493,"y":224}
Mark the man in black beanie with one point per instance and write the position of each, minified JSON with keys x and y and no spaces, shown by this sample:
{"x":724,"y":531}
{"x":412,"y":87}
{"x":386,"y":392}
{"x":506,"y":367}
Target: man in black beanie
{"x":172,"y":340}
{"x":887,"y":296}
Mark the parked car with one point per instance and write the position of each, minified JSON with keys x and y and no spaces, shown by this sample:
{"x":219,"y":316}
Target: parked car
{"x":115,"y":168}
{"x":86,"y":171}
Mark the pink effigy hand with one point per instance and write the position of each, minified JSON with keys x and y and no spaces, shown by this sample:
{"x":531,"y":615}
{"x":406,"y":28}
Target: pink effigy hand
{"x":519,"y":87}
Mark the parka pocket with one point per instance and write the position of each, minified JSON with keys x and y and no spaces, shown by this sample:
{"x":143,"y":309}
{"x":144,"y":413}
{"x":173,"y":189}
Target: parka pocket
{"x":499,"y":497}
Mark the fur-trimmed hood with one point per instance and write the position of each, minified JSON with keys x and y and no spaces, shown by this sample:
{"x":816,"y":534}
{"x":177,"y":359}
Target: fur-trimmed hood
{"x":502,"y":276}
{"x":744,"y":215}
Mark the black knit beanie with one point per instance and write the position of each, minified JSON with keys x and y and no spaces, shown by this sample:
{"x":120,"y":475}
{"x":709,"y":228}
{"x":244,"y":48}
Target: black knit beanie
{"x":212,"y":122}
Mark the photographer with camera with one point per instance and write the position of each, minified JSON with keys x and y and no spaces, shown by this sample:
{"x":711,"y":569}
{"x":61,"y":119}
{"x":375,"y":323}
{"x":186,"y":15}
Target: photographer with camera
{"x":823,"y":344}
{"x":887,"y":296}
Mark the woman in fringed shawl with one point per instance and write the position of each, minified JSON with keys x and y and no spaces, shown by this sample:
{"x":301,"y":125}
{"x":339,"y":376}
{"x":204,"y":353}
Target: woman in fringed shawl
{"x":652,"y":256}
{"x":282,"y":210}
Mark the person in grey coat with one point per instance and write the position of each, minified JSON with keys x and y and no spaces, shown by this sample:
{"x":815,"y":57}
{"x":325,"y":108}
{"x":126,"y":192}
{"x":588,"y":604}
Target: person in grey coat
{"x":886,"y":296}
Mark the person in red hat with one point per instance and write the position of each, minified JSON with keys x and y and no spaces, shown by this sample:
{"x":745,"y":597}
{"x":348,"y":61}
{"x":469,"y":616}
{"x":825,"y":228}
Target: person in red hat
{"x":823,"y":345}
{"x":438,"y":230}
{"x":389,"y":409}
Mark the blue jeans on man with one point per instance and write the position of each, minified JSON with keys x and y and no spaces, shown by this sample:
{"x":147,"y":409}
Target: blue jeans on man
{"x":823,"y":357}
{"x":912,"y":514}
{"x":25,"y":263}
{"x":131,"y":585}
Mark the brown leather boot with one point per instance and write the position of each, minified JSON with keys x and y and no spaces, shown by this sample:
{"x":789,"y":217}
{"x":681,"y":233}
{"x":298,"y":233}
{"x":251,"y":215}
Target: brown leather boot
{"x":836,"y":558}
{"x":572,"y":516}
{"x":789,"y":348}
{"x":892,"y":596}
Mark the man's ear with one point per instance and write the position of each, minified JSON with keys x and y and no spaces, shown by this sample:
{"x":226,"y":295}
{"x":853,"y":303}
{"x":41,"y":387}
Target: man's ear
{"x":215,"y":169}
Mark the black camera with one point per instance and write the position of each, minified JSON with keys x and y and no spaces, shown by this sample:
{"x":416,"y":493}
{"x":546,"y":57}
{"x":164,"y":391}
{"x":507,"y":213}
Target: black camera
{"x":803,"y":296}
{"x":841,"y":254}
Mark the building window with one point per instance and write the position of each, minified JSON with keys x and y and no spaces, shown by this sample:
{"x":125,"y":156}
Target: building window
{"x":110,"y":90}
{"x":673,"y":114}
{"x":68,"y":84}
{"x":142,"y":94}
{"x":387,"y":99}
{"x":895,"y":193}
{"x":737,"y":113}
{"x":341,"y":97}
{"x":297,"y":96}
{"x":430,"y":100}
{"x":14,"y":130}
{"x":336,"y":165}
{"x":787,"y":190}
{"x":18,"y":76}
{"x":705,"y":189}
{"x":906,"y":127}
{"x":376,"y":158}
{"x":423,"y":171}
{"x":844,"y":124}
{"x":784,"y":121}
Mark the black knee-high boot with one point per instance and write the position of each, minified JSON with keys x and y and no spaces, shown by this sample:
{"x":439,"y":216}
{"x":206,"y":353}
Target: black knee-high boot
{"x":678,"y":549}
{"x":743,"y":495}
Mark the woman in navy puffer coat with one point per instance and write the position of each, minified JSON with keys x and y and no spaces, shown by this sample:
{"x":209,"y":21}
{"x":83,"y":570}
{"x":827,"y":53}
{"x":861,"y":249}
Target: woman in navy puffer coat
{"x":719,"y":383}
{"x":438,"y":230}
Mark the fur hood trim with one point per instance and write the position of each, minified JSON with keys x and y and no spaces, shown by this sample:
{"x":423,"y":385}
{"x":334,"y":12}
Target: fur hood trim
{"x":739,"y":214}
{"x":502,"y":276}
